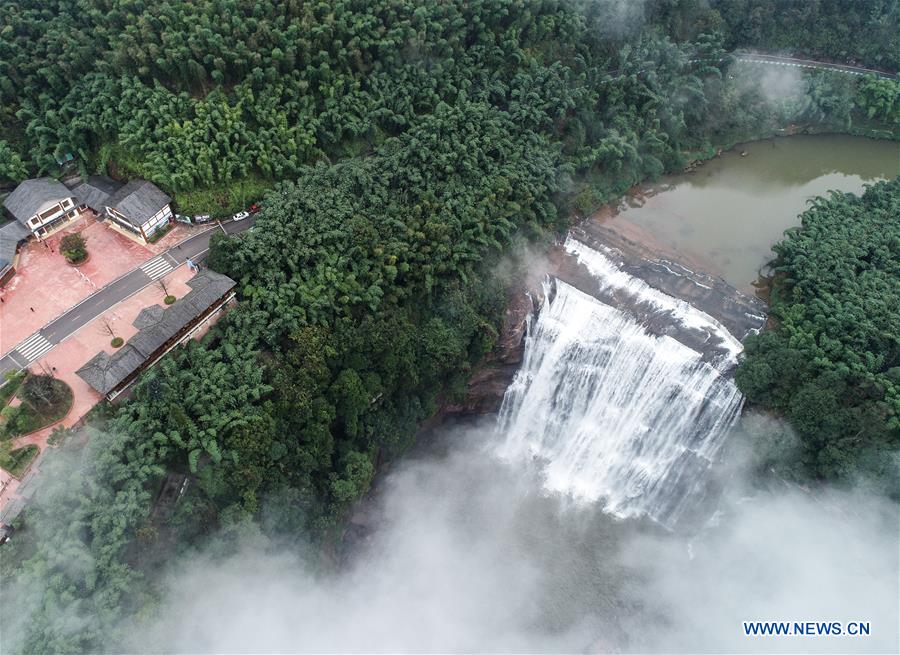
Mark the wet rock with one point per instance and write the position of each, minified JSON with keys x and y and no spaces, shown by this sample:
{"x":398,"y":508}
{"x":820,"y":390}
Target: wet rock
{"x":676,"y":276}
{"x":741,"y":314}
{"x":486,"y":386}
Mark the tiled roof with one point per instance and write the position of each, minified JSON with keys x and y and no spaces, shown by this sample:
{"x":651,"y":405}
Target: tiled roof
{"x":31,"y":195}
{"x":96,"y":191}
{"x":138,"y":201}
{"x":149,"y":316}
{"x":105,"y":372}
{"x":10,"y":235}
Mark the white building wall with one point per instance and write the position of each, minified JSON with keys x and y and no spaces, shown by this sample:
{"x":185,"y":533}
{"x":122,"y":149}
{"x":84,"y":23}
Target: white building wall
{"x":158,"y":220}
{"x":37,"y":222}
{"x":118,"y":218}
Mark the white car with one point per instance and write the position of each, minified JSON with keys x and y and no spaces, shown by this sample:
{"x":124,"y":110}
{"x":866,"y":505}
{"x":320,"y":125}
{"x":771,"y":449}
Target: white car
{"x":240,"y":216}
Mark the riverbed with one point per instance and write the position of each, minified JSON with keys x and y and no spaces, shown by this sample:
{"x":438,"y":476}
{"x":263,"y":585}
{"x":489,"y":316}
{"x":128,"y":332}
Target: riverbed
{"x":730,"y":211}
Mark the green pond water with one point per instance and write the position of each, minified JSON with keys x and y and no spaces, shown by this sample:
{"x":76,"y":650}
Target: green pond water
{"x":730,"y":211}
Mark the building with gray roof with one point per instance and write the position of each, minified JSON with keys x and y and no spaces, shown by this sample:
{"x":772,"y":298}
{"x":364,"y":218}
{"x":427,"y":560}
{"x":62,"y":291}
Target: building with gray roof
{"x":40,"y":204}
{"x":11,"y":235}
{"x":159,"y":330}
{"x":96,"y":191}
{"x":140,"y":206}
{"x":149,"y":316}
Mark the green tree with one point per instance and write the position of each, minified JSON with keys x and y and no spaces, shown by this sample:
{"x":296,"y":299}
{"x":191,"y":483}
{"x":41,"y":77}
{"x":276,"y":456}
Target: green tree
{"x":11,"y":165}
{"x":830,"y":364}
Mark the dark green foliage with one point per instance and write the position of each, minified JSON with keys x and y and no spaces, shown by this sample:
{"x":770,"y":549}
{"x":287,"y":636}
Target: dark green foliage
{"x":159,"y":234}
{"x":97,"y":493}
{"x":16,"y":421}
{"x":17,"y":460}
{"x":880,"y":99}
{"x":45,"y":400}
{"x":43,"y":391}
{"x":222,"y":200}
{"x":73,"y":248}
{"x":11,"y":165}
{"x":379,"y":231}
{"x":199,"y":94}
{"x":195,"y":403}
{"x":215,"y":100}
{"x":831,"y":363}
{"x":407,"y":145}
{"x":863,"y":31}
{"x":13,"y":381}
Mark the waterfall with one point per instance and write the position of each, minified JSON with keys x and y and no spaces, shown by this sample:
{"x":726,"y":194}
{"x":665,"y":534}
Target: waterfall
{"x":613,"y":412}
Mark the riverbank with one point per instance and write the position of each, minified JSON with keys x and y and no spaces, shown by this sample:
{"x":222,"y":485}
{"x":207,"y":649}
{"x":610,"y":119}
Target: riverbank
{"x":662,"y":262}
{"x":726,"y":215}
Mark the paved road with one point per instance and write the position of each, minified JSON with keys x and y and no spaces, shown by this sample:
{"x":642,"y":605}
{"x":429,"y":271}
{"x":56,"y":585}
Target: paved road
{"x":42,"y":341}
{"x":778,"y":60}
{"x":740,"y":56}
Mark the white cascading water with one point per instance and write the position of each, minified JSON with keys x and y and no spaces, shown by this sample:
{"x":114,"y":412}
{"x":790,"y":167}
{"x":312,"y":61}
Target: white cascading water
{"x":613,"y":413}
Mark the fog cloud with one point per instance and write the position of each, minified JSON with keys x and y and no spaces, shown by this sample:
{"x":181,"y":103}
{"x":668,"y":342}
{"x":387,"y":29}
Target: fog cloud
{"x":791,"y":557}
{"x":468,"y":554}
{"x":617,"y":19}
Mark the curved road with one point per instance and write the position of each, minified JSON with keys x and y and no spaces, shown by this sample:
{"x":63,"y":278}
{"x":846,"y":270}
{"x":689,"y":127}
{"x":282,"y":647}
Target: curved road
{"x":740,"y":56}
{"x":65,"y":325}
{"x":778,"y":60}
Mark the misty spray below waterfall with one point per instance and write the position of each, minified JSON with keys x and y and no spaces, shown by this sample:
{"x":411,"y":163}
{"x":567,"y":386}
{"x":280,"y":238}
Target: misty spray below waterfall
{"x":614,"y":411}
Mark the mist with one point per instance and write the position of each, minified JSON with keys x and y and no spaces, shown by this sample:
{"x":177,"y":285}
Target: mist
{"x":777,"y":85}
{"x":617,"y":19}
{"x":469,"y":554}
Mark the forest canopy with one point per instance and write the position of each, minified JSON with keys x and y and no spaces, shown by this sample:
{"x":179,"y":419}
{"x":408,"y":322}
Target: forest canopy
{"x":215,"y":101}
{"x":832,"y":362}
{"x":403,"y":148}
{"x":846,"y":31}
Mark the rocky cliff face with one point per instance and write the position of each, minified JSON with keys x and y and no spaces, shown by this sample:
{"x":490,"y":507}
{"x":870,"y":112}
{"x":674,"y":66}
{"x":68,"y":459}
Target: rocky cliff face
{"x":487,"y":385}
{"x":675,"y":275}
{"x":637,"y":255}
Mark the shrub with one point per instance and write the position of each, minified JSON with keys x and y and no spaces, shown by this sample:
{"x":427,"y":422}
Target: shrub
{"x":8,"y":390}
{"x":16,"y":461}
{"x":223,"y":199}
{"x":42,"y":391}
{"x":11,"y":418}
{"x":117,"y":342}
{"x":73,"y":248}
{"x":45,"y":400}
{"x":56,"y":437}
{"x":18,"y":421}
{"x":169,"y":299}
{"x":159,"y":234}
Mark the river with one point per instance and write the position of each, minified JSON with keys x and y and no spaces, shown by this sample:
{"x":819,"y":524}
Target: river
{"x":730,"y":211}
